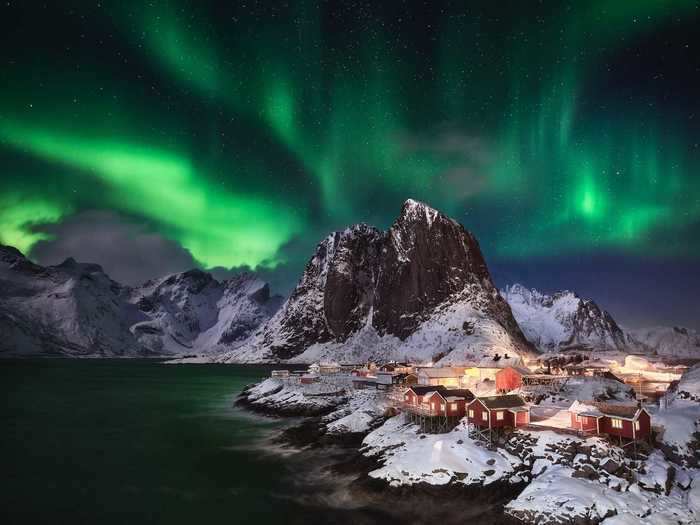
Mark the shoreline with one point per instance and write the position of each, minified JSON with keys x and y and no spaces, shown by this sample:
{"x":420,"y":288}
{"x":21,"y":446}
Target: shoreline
{"x":420,"y":501}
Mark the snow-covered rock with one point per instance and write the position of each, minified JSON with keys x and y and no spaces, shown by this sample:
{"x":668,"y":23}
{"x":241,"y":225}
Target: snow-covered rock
{"x":289,"y":397}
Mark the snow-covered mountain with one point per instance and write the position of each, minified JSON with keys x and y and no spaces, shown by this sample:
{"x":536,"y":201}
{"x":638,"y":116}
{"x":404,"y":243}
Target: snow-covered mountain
{"x":419,"y":291}
{"x":563,"y":321}
{"x":193,"y":312}
{"x":71,"y":308}
{"x":75,"y":309}
{"x":668,"y":341}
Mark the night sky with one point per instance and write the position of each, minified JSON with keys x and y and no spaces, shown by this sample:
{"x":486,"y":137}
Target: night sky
{"x":153,"y":137}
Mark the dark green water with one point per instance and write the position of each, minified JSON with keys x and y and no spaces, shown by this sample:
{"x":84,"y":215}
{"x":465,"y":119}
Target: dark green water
{"x":115,"y":441}
{"x":133,"y":441}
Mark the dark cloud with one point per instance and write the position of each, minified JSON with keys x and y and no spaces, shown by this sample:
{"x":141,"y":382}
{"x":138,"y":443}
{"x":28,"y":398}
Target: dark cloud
{"x":127,"y":250}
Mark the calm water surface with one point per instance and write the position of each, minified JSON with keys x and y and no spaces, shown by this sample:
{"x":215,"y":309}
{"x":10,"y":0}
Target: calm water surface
{"x":133,"y":441}
{"x":116,"y":441}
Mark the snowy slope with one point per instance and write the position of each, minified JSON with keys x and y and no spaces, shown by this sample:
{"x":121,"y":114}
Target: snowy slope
{"x":563,"y":321}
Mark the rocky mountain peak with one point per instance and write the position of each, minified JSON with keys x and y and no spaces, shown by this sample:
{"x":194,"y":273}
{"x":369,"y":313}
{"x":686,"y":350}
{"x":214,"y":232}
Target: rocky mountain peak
{"x":10,"y":253}
{"x":391,"y":284}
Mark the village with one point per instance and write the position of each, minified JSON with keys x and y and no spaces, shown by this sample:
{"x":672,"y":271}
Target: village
{"x":502,"y":393}
{"x":570,"y":438}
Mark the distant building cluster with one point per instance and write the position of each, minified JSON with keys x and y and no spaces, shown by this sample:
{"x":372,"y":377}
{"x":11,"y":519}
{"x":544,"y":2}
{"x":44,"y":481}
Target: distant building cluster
{"x":495,"y":395}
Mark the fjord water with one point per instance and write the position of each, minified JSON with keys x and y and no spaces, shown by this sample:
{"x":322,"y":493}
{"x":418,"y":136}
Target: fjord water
{"x":138,"y":441}
{"x":130,"y":441}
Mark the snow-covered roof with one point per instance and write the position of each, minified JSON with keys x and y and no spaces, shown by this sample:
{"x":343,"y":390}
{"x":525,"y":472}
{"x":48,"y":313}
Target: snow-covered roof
{"x":498,"y":402}
{"x":501,"y":362}
{"x":577,"y":407}
{"x":440,"y":372}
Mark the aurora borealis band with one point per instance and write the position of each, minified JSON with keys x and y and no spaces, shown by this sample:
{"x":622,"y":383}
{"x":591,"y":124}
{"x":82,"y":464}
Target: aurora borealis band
{"x":241,"y":134}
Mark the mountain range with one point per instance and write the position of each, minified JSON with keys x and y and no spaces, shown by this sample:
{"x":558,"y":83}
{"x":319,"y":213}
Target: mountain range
{"x":420,"y":290}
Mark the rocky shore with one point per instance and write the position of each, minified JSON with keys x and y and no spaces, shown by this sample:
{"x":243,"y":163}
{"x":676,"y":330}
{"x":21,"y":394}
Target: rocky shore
{"x":538,"y":477}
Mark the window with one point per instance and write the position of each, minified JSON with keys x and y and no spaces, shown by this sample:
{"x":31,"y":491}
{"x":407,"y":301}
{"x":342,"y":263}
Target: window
{"x":578,"y":418}
{"x":442,"y":406}
{"x":499,"y":415}
{"x":453,"y":406}
{"x":636,"y":425}
{"x":616,"y":423}
{"x":471,"y":413}
{"x":484,"y":416}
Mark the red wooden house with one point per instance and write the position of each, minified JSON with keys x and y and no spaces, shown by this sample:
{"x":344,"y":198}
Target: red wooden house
{"x":435,"y":408}
{"x":510,"y":378}
{"x":413,"y":396}
{"x":626,"y":422}
{"x":498,"y":412}
{"x":449,"y":403}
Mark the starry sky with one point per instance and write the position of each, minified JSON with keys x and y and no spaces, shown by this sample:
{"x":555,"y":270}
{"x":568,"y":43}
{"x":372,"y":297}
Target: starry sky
{"x":152,"y":137}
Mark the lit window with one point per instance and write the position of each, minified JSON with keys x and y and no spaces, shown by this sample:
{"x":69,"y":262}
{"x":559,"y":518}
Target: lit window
{"x":433,"y":405}
{"x":499,"y":415}
{"x":453,"y":406}
{"x":442,"y":406}
{"x":636,"y":425}
{"x":471,"y":413}
{"x":616,"y":423}
{"x":484,"y":416}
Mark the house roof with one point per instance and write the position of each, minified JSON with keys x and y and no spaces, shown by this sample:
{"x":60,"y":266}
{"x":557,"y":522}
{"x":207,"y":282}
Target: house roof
{"x":579,"y":407}
{"x":424,"y":389}
{"x":460,"y":393}
{"x":598,"y":409}
{"x":623,"y":411}
{"x":440,"y":372}
{"x":497,"y":402}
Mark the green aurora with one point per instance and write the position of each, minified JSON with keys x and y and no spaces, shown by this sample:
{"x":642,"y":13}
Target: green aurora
{"x":236,"y":131}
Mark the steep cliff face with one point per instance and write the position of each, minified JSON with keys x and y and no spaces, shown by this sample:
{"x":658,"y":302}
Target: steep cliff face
{"x":333,"y":297}
{"x":563,"y":321}
{"x":420,"y":290}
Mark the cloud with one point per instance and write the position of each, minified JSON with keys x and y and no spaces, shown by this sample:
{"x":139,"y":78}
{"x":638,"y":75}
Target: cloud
{"x":129,"y":251}
{"x":283,"y":277}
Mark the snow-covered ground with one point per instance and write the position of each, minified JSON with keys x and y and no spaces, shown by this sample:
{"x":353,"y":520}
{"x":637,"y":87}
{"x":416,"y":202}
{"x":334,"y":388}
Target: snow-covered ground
{"x":288,"y":395}
{"x":359,"y":414}
{"x":597,"y":389}
{"x":569,"y":479}
{"x":411,"y":457}
{"x":680,"y":419}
